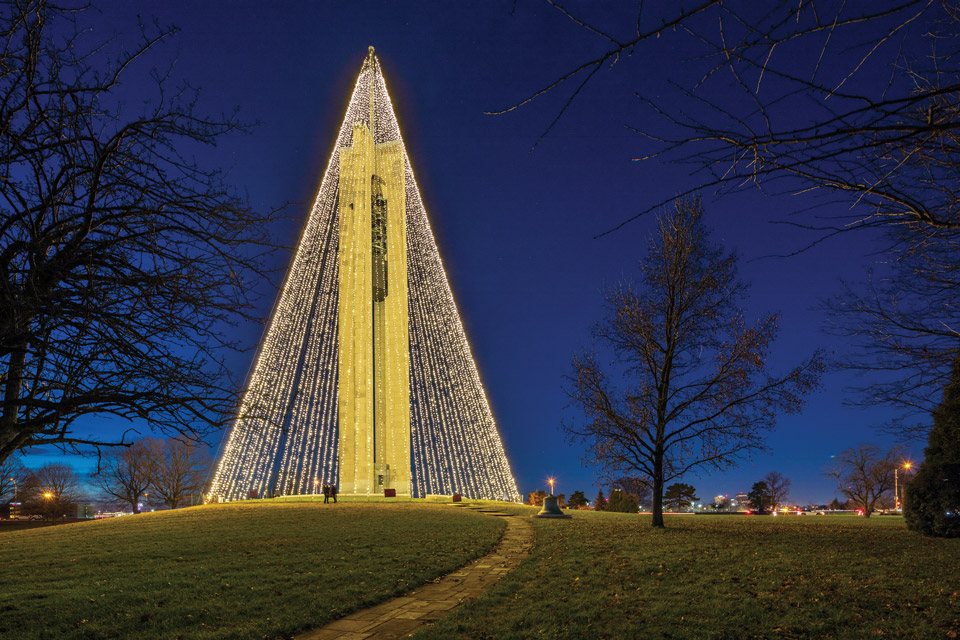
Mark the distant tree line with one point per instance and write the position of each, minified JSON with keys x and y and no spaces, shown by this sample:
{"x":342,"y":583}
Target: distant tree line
{"x":172,"y":472}
{"x":769,"y":493}
{"x":52,"y":490}
{"x":158,"y":472}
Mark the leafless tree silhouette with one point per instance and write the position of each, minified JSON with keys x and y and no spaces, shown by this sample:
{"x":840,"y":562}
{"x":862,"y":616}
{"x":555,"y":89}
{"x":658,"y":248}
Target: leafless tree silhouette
{"x":178,"y":470}
{"x":865,"y":475}
{"x":778,"y":486}
{"x":123,"y":475}
{"x":122,"y":260}
{"x":696,"y":392}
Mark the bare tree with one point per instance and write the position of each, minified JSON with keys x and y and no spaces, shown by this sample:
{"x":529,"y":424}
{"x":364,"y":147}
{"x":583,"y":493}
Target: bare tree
{"x":778,"y":488}
{"x":13,"y":479}
{"x":122,"y":261}
{"x":178,"y":469}
{"x":865,"y":475}
{"x":857,"y":103}
{"x":697,"y":392}
{"x":55,"y":489}
{"x":123,"y":474}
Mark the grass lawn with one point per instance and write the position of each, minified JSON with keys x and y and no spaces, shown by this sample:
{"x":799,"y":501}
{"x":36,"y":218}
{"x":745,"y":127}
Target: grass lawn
{"x":241,"y":570}
{"x":606,"y":575}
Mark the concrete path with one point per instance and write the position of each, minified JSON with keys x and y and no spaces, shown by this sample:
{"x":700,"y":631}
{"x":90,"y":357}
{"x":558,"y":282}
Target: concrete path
{"x":402,"y":616}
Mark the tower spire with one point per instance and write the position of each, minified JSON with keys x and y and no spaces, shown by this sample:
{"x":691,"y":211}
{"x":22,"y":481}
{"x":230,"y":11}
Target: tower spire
{"x":370,"y":61}
{"x":370,"y":64}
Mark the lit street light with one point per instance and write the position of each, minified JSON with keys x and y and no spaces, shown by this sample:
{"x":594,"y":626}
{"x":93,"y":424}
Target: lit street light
{"x":550,"y":480}
{"x":896,"y":484}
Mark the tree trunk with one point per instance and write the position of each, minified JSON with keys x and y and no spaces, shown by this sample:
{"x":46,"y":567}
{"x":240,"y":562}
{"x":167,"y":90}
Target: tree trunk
{"x":658,"y":492}
{"x":11,"y":397}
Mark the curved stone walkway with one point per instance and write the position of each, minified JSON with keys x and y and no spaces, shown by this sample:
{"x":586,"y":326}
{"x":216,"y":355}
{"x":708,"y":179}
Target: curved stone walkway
{"x":402,"y":616}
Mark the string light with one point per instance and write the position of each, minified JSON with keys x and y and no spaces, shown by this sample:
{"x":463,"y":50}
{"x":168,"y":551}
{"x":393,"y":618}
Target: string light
{"x":286,"y":436}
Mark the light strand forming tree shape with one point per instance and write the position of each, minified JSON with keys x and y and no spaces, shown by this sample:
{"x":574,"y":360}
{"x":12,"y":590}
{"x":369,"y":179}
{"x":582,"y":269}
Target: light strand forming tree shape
{"x":285,"y":437}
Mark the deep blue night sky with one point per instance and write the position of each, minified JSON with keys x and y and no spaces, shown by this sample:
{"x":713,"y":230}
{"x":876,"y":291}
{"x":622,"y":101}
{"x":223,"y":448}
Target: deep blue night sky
{"x":515,"y":228}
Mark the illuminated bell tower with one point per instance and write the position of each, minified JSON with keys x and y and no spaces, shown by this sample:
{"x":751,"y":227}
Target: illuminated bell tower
{"x":374,"y":364}
{"x":365,"y":378}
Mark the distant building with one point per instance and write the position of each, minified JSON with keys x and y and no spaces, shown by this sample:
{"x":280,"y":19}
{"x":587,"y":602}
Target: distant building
{"x":86,"y":511}
{"x":723,"y":503}
{"x":743,"y":500}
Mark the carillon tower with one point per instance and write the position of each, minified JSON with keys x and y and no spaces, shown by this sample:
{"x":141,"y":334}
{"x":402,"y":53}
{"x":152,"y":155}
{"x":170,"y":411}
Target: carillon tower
{"x":365,"y":378}
{"x":374,"y":361}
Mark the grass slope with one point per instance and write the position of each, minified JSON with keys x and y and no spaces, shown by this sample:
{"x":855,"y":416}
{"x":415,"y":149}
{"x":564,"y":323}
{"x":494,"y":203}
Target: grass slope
{"x":241,"y":570}
{"x":606,"y":575}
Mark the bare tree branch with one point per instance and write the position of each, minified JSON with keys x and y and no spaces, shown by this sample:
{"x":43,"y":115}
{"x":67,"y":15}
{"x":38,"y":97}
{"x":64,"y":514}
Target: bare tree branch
{"x":855,"y":103}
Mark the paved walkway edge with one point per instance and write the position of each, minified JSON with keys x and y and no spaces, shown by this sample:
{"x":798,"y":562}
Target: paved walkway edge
{"x":404,"y":615}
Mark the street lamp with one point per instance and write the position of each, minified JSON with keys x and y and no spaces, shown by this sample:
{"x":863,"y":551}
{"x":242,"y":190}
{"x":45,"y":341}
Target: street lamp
{"x":896,"y":484}
{"x":316,"y":481}
{"x":46,"y":496}
{"x":550,"y":480}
